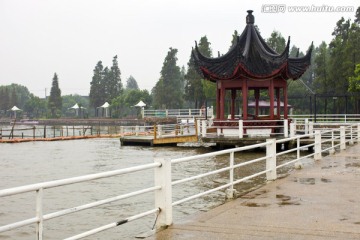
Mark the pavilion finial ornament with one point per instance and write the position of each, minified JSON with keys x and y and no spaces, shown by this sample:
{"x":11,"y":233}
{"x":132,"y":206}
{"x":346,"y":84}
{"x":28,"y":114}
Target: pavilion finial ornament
{"x":250,"y":19}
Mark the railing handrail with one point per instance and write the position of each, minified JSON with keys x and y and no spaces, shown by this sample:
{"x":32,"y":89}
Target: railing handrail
{"x":73,"y":180}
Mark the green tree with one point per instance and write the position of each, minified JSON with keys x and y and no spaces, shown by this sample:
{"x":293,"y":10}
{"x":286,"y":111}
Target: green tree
{"x":97,"y":88}
{"x":194,"y":89}
{"x":5,"y":99}
{"x":169,"y":91}
{"x":113,"y":84}
{"x":340,"y":65}
{"x":322,"y":69}
{"x":35,"y":107}
{"x":55,"y":100}
{"x":276,"y":42}
{"x":14,"y":98}
{"x":71,"y":100}
{"x":131,"y":83}
{"x":354,"y":81}
{"x":15,"y":95}
{"x":123,"y":105}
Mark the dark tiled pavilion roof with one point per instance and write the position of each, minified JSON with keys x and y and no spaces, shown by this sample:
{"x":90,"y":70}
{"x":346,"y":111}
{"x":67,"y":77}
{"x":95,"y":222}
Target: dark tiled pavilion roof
{"x":251,"y":58}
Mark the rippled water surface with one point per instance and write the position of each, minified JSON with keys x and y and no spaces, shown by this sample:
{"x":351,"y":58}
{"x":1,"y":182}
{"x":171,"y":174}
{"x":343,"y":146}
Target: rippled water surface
{"x":34,"y":162}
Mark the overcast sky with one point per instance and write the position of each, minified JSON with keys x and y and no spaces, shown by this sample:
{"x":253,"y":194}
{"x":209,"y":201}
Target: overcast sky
{"x":41,"y":37}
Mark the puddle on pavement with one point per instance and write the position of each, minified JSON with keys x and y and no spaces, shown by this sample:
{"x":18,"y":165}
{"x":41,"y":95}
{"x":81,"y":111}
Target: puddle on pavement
{"x":285,"y":200}
{"x":355,"y":165}
{"x":306,"y":181}
{"x":329,"y":166}
{"x":283,"y":197}
{"x":352,"y":158}
{"x":252,"y":204}
{"x":325,"y":180}
{"x":311,"y":181}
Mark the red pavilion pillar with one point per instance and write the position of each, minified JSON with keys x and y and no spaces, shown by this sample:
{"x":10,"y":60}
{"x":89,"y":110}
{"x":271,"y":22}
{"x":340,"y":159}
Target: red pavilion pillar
{"x":271,"y":94}
{"x":218,"y":92}
{"x":244,"y":98}
{"x":222,"y":102}
{"x":278,"y":107}
{"x":285,"y":102}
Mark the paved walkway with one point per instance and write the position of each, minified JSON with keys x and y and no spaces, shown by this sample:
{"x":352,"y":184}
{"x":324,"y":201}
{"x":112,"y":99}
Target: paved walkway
{"x":320,"y":201}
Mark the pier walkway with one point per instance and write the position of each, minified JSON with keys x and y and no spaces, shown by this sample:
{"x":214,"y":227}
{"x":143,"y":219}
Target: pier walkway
{"x":320,"y":201}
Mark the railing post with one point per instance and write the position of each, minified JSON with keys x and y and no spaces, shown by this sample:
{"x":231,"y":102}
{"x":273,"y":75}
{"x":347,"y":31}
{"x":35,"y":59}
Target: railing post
{"x":298,"y":147}
{"x":306,"y":125}
{"x":342,"y":138}
{"x":122,"y":130}
{"x":159,"y":130}
{"x":311,"y":129}
{"x":332,"y":150}
{"x":286,"y":128}
{"x":271,"y":159}
{"x":358,"y":132}
{"x":163,"y":196}
{"x":181,"y":129}
{"x":39,"y":214}
{"x":166,"y":113}
{"x":155,"y":133}
{"x":230,"y":192}
{"x":317,"y":147}
{"x":203,"y":128}
{"x":241,"y":128}
{"x":136,"y":130}
{"x":198,"y":126}
{"x":189,"y":112}
{"x":292,"y":130}
{"x":351,"y":135}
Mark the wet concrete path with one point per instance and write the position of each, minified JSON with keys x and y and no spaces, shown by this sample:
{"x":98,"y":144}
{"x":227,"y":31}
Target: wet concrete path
{"x":320,"y":201}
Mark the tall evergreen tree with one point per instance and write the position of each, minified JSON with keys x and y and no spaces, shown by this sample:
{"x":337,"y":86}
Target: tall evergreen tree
{"x":131,"y":83}
{"x":55,"y":100}
{"x":340,"y":66}
{"x":114,"y":85}
{"x":194,"y":90}
{"x":322,"y":69}
{"x":276,"y":42}
{"x":97,"y":88}
{"x":167,"y":92}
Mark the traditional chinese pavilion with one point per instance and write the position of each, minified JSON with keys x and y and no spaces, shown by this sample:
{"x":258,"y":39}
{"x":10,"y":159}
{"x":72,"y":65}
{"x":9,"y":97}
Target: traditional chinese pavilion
{"x":249,"y":65}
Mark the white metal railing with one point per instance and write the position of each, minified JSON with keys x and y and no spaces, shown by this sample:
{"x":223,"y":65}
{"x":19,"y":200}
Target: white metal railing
{"x":164,"y":183}
{"x":245,"y":128}
{"x":328,"y":117}
{"x":162,"y":113}
{"x":267,"y":128}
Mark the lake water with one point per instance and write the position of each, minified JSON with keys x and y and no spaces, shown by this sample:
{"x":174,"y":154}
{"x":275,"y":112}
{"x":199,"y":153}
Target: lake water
{"x":33,"y":162}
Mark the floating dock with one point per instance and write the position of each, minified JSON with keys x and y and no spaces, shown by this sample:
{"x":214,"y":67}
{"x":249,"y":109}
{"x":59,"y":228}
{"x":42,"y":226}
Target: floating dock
{"x":152,"y":141}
